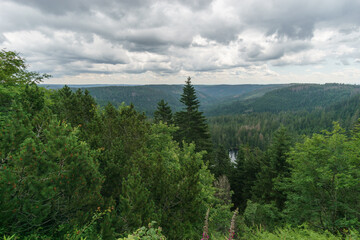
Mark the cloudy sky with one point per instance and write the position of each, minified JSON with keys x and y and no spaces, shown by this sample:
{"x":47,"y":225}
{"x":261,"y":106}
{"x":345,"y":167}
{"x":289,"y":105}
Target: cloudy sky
{"x":155,"y":42}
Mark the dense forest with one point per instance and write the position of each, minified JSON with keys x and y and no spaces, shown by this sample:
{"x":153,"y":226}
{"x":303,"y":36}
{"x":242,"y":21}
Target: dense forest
{"x":77,"y":167}
{"x":146,"y":97}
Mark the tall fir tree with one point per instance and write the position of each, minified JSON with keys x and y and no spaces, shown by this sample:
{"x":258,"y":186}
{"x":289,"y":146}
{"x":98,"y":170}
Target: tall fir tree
{"x":243,"y":178}
{"x":191,"y":122}
{"x":221,"y":164}
{"x":273,"y":170}
{"x":163,"y":113}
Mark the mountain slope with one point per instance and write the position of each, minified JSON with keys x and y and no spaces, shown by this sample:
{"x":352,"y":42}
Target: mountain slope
{"x":146,"y":97}
{"x":293,"y":98}
{"x":257,"y":128}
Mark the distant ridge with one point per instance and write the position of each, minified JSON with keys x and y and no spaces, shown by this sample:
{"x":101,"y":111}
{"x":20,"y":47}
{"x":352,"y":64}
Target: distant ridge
{"x":146,"y":97}
{"x":291,"y":98}
{"x":58,"y":86}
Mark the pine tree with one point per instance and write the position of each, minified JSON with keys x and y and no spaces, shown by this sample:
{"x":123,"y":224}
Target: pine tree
{"x":47,"y":181}
{"x":221,"y":164}
{"x":163,"y":113}
{"x":243,"y":177}
{"x":191,"y":122}
{"x":273,"y":170}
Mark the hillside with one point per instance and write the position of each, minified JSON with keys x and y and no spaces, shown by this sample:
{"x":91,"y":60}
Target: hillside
{"x":256,"y":128}
{"x":237,"y":92}
{"x":218,"y":100}
{"x":146,"y":97}
{"x":292,"y":98}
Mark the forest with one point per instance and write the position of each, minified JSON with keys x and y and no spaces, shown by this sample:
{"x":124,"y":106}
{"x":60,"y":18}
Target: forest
{"x":73,"y":166}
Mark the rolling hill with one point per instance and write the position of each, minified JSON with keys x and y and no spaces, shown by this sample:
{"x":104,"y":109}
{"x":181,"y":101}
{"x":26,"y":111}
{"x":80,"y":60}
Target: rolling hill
{"x":291,"y":98}
{"x":146,"y":97}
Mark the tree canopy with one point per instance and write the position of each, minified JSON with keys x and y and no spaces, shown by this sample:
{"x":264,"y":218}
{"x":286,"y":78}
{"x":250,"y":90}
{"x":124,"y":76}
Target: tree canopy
{"x":191,"y":122}
{"x":13,"y":70}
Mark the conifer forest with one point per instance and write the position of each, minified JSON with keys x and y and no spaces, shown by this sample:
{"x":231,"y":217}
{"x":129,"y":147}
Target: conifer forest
{"x":177,"y":162}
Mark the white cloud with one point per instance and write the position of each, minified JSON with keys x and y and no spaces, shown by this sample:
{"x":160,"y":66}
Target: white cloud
{"x":164,"y":41}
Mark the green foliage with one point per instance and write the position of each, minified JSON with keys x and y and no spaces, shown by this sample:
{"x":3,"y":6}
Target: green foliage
{"x":265,"y":215}
{"x":221,"y":163}
{"x":147,"y":175}
{"x":48,"y":180}
{"x":62,"y":157}
{"x":220,"y":214}
{"x":144,"y":98}
{"x":13,"y":237}
{"x":77,"y":108}
{"x":163,"y":113}
{"x":324,"y":184}
{"x":298,"y":233}
{"x":244,"y":175}
{"x":179,"y":182}
{"x":257,"y":128}
{"x":88,"y":230}
{"x":13,"y":70}
{"x":118,"y":134}
{"x":293,"y":98}
{"x":135,"y":207}
{"x":192,"y":124}
{"x":274,"y":168}
{"x":150,"y":233}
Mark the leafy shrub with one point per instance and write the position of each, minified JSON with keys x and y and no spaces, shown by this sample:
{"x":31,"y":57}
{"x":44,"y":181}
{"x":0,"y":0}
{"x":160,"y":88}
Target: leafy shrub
{"x":264,"y":215}
{"x":146,"y":233}
{"x":300,"y":233}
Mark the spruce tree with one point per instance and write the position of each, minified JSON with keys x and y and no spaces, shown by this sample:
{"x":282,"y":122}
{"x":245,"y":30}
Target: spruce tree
{"x":221,"y":164}
{"x":191,"y":122}
{"x":243,"y":178}
{"x":163,"y":113}
{"x":273,"y":170}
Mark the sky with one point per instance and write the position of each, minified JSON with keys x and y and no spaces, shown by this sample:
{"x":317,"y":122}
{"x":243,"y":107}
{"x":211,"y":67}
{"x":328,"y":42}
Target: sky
{"x":164,"y":42}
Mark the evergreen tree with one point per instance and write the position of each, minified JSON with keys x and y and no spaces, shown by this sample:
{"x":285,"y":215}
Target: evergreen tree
{"x":191,"y":122}
{"x":243,"y":178}
{"x":273,"y":170}
{"x":163,"y":113}
{"x":221,"y":164}
{"x":77,"y":108}
{"x":136,"y":207}
{"x":47,"y":179}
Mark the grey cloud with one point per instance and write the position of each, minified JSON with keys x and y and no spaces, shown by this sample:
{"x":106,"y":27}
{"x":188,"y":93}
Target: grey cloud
{"x":277,"y":50}
{"x":168,"y":27}
{"x":349,"y":30}
{"x":196,"y":4}
{"x":293,"y":31}
{"x":300,"y":61}
{"x":297,"y":19}
{"x":57,"y":7}
{"x":345,"y":62}
{"x":147,"y":38}
{"x":221,"y":33}
{"x":261,"y":56}
{"x":65,"y":6}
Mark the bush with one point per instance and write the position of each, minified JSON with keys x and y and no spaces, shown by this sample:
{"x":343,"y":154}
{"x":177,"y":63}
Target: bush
{"x":300,"y":233}
{"x":149,"y":233}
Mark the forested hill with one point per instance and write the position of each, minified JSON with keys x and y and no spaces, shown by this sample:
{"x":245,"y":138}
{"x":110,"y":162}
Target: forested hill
{"x":146,"y":97}
{"x":292,"y":98}
{"x":236,"y":92}
{"x":256,"y":128}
